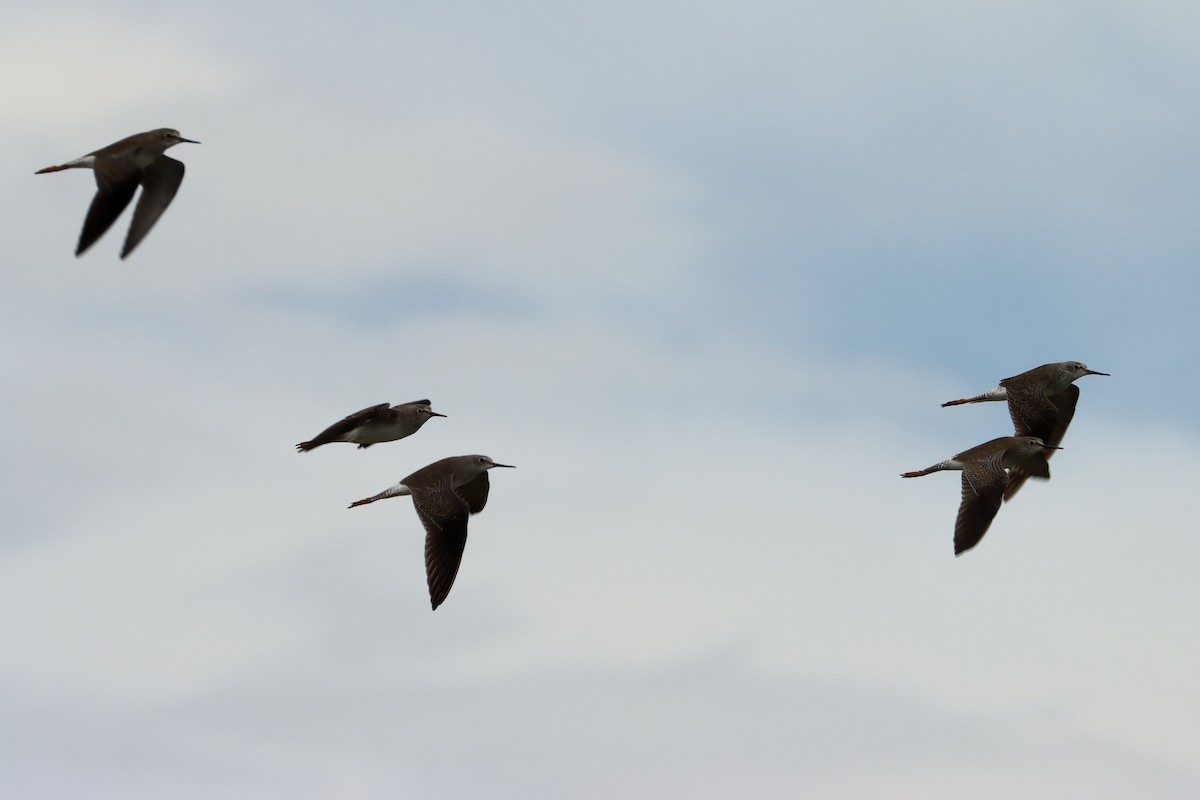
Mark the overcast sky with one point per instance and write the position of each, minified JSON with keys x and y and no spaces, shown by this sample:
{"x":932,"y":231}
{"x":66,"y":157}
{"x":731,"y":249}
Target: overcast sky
{"x":704,"y":273}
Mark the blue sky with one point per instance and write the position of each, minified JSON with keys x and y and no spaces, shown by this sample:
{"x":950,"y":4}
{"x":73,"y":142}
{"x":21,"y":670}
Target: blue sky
{"x":704,"y":273}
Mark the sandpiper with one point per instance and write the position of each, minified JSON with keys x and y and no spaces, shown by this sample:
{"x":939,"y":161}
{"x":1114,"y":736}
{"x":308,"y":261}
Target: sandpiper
{"x":445,"y":494}
{"x":984,"y":480}
{"x":1041,"y":403}
{"x":381,"y":423}
{"x":119,"y":169}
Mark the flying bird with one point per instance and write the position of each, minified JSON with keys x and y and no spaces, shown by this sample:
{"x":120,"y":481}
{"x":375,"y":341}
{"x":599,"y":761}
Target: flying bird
{"x":1041,"y":403}
{"x":445,"y":494}
{"x":120,"y":168}
{"x":381,"y":423}
{"x":984,"y":481}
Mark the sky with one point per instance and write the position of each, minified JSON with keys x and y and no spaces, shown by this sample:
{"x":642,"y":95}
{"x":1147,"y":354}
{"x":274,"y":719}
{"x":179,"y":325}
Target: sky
{"x":704,"y":273}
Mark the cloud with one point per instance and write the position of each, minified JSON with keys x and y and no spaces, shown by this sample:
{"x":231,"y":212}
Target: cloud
{"x":706,"y":298}
{"x":183,"y":551}
{"x":698,"y":729}
{"x":405,"y":204}
{"x":62,"y":76}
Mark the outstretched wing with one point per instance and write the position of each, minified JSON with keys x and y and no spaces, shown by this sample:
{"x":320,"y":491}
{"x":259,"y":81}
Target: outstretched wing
{"x":1031,"y":410}
{"x":1065,"y":402}
{"x":160,"y":182}
{"x":444,"y":515}
{"x":982,"y":494}
{"x":110,"y":200}
{"x":475,"y":492}
{"x":1054,"y":427}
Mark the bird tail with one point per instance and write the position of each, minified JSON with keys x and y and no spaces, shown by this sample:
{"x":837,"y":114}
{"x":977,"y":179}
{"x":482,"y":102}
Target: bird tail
{"x":392,"y":491}
{"x":999,"y":393}
{"x":938,"y":467}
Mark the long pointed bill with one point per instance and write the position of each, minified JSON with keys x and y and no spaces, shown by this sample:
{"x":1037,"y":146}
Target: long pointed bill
{"x":1093,"y":372}
{"x":509,"y":466}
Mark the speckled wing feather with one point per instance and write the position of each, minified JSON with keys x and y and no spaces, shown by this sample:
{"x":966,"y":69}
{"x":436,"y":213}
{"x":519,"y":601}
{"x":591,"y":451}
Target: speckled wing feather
{"x":444,"y":515}
{"x":982,"y":494}
{"x":1032,"y":412}
{"x":1052,"y":428}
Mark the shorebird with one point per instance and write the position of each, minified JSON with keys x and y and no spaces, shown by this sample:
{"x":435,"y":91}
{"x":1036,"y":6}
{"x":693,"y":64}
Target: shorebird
{"x":381,"y":423}
{"x":445,"y":494}
{"x":1041,"y":403}
{"x":119,"y":169}
{"x":984,"y":480}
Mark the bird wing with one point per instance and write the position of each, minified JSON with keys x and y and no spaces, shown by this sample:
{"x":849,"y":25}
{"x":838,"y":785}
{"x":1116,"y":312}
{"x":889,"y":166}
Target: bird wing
{"x":444,"y":515}
{"x":363,"y":417}
{"x":342,"y":427}
{"x":110,"y":200}
{"x":1065,"y":402}
{"x":475,"y":492}
{"x":160,"y":182}
{"x":1036,"y":466}
{"x":1032,"y":412}
{"x":982,"y":494}
{"x":1053,"y":428}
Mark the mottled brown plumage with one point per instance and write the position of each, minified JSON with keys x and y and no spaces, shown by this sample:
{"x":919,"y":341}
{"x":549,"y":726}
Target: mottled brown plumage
{"x":984,"y":481}
{"x":1041,"y":403}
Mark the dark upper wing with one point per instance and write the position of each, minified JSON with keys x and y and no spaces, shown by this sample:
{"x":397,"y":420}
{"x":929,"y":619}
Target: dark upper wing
{"x":110,"y":200}
{"x":982,"y":494}
{"x":1035,"y":467}
{"x":363,"y":417}
{"x":475,"y":492}
{"x":160,"y":182}
{"x":444,"y":515}
{"x":1065,"y":402}
{"x":342,"y":427}
{"x":1032,"y":412}
{"x":1052,"y":433}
